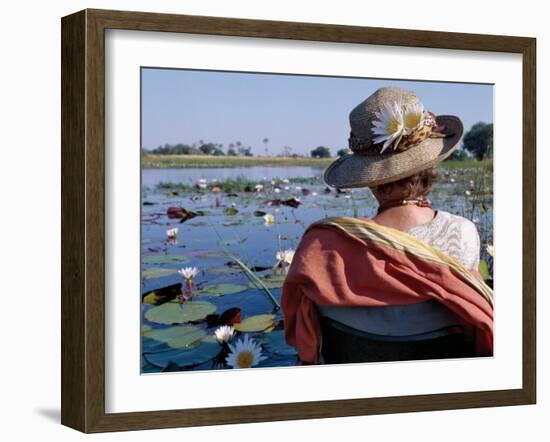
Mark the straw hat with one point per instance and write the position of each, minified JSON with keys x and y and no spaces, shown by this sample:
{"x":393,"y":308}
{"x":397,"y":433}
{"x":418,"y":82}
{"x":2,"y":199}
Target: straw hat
{"x":393,"y":137}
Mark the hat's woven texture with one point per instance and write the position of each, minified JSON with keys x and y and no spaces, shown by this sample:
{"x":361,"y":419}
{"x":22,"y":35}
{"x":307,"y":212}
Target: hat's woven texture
{"x":360,"y":118}
{"x":358,"y":170}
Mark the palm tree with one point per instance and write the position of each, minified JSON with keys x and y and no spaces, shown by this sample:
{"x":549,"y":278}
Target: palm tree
{"x":266,"y":140}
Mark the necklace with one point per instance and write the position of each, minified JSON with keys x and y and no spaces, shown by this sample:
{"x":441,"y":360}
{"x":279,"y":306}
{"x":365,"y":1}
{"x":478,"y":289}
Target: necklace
{"x":396,"y":203}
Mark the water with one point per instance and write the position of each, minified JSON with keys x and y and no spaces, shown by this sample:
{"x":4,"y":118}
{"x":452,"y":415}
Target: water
{"x":203,"y":241}
{"x":153,"y":177}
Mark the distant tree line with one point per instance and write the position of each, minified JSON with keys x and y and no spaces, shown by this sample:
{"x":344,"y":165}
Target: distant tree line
{"x":202,"y":148}
{"x":477,"y":143}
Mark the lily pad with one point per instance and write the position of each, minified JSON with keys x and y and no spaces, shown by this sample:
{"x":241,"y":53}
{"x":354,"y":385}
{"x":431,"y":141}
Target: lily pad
{"x":270,"y":281}
{"x":230,"y":211}
{"x":255,"y":323}
{"x":174,"y":313}
{"x":221,"y":289}
{"x":207,"y":254}
{"x":152,"y":273}
{"x":162,"y":295}
{"x":181,"y":336}
{"x":222,"y":270}
{"x":275,"y":343}
{"x":164,"y":259}
{"x":196,"y":355}
{"x":484,"y":269}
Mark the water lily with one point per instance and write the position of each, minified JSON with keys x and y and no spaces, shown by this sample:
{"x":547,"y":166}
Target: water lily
{"x":277,"y":190}
{"x":452,"y":180}
{"x":389,"y":128}
{"x":268,"y":219}
{"x":285,"y":180}
{"x":313,"y":193}
{"x":298,"y":188}
{"x":172,"y":233}
{"x":259,"y":187}
{"x":468,"y":193}
{"x":490,"y":249}
{"x":284,"y":257}
{"x":245,"y":353}
{"x":188,"y":273}
{"x":224,"y":333}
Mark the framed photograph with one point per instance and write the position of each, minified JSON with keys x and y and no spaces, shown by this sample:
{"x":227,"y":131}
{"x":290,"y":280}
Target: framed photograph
{"x":266,"y":220}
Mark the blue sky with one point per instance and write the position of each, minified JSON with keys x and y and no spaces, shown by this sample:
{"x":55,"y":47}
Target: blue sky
{"x":303,"y":112}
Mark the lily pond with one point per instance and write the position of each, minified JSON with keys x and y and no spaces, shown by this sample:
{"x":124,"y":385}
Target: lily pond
{"x":216,"y":245}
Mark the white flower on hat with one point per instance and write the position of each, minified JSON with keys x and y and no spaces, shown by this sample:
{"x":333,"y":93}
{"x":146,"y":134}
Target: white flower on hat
{"x":389,"y":127}
{"x":413,"y":117}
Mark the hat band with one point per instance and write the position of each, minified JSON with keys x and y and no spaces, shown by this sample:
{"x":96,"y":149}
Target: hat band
{"x":430,"y":129}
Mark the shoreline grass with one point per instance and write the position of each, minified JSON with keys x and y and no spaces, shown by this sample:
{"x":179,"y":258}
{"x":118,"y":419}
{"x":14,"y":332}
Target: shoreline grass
{"x":210,"y":161}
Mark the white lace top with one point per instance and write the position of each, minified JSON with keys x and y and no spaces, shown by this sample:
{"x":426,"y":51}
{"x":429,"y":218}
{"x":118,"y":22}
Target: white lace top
{"x":453,"y":235}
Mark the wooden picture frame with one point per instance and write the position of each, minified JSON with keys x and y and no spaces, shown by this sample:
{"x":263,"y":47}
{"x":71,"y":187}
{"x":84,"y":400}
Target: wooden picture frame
{"x":83,"y":219}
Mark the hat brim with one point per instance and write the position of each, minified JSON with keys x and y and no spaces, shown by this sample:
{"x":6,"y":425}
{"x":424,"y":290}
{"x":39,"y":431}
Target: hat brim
{"x":356,"y":170}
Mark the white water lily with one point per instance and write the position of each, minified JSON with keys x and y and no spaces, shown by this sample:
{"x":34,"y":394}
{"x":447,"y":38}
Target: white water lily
{"x":172,"y":233}
{"x":284,"y":257}
{"x":285,"y":180}
{"x":202,"y":181}
{"x":277,"y":190}
{"x":389,"y":127}
{"x":188,"y":272}
{"x":224,"y":333}
{"x":468,"y":193}
{"x":490,"y":249}
{"x":259,"y":187}
{"x":245,"y":353}
{"x":313,"y":193}
{"x":413,"y":117}
{"x":269,"y":219}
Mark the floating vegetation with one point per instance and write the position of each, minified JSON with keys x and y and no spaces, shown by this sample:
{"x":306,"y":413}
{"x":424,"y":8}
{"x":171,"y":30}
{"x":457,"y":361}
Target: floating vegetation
{"x":256,"y":323}
{"x":175,"y":313}
{"x":241,"y":233}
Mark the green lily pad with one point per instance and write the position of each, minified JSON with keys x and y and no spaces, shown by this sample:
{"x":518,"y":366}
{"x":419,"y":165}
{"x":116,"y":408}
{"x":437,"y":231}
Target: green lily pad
{"x":275,"y":343}
{"x":221,"y":289}
{"x":145,"y":328}
{"x":232,"y":223}
{"x":230,"y":211}
{"x":152,"y":273}
{"x":180,"y":336}
{"x":207,"y":254}
{"x":222,"y":270}
{"x":164,"y":259}
{"x":196,"y":355}
{"x":270,"y":281}
{"x":174,"y":313}
{"x":255,"y":323}
{"x":484,"y":270}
